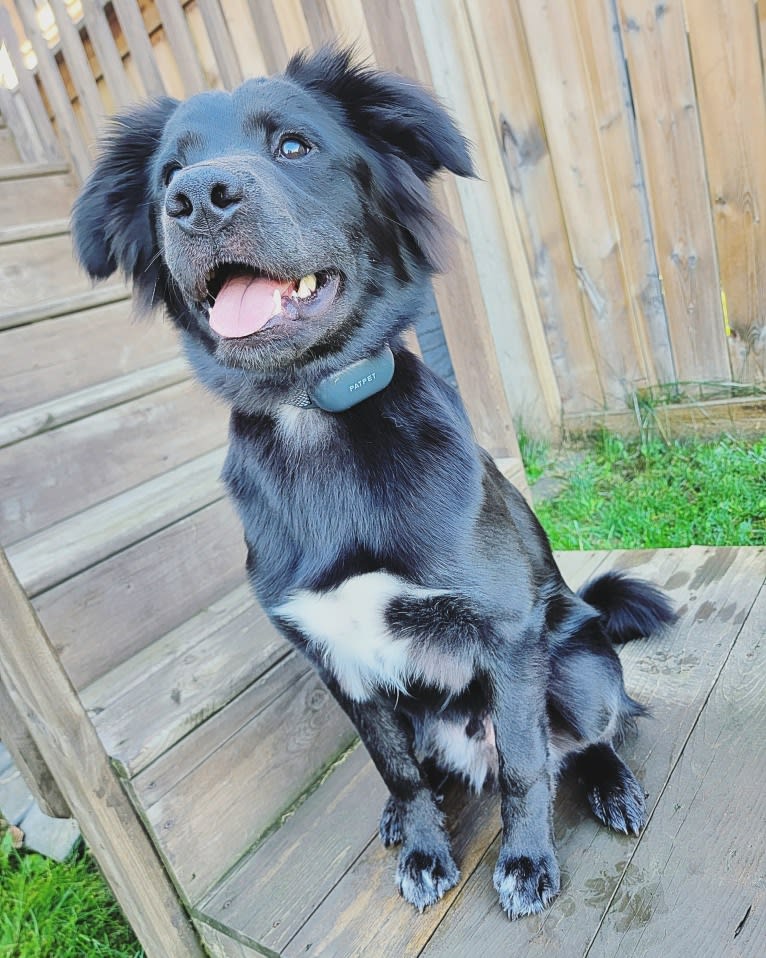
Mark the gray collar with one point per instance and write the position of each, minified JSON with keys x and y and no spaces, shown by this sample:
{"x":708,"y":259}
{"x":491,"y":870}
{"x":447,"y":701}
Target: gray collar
{"x":352,"y":385}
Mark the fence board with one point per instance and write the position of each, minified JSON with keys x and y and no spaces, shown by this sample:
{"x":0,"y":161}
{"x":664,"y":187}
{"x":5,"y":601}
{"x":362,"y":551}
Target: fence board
{"x":179,"y":38}
{"x":100,"y":33}
{"x":91,"y":104}
{"x":618,"y":140}
{"x":729,"y":85}
{"x":221,"y":42}
{"x":654,"y":39}
{"x":54,"y":85}
{"x":140,"y":46}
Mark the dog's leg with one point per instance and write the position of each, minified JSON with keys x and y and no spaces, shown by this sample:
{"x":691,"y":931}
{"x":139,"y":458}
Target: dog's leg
{"x":527,"y":874}
{"x":426,"y":868}
{"x":614,"y":793}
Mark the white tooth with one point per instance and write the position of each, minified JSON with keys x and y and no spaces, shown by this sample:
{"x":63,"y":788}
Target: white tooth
{"x":277,"y":303}
{"x":307,"y":286}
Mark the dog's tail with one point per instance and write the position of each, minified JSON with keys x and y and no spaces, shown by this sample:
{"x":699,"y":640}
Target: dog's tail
{"x":630,"y":608}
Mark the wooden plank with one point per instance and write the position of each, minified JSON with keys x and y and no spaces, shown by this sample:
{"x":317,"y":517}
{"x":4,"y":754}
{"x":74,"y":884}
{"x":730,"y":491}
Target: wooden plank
{"x":146,"y":705}
{"x":247,"y":43}
{"x":108,"y":613}
{"x":564,"y":91}
{"x":22,"y":232}
{"x":654,"y":38}
{"x":181,"y":43}
{"x":279,"y":736}
{"x":43,"y":362}
{"x":683,"y":866}
{"x":293,"y":29}
{"x":703,"y":420}
{"x":28,"y":760}
{"x":84,"y":402}
{"x":673,"y":674}
{"x":220,"y":945}
{"x":67,"y":123}
{"x":70,"y":747}
{"x":599,"y":36}
{"x":274,"y":890}
{"x":39,"y":269}
{"x":729,"y":84}
{"x":44,"y":133}
{"x":102,"y":38}
{"x":556,"y":322}
{"x":34,"y":193}
{"x":221,"y":42}
{"x":524,"y":371}
{"x":57,"y":474}
{"x":80,"y":73}
{"x":21,"y":141}
{"x":112,"y":292}
{"x":74,"y":544}
{"x":141,"y":52}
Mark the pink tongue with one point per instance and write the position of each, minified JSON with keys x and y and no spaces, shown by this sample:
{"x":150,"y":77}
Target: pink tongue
{"x":244,"y":305}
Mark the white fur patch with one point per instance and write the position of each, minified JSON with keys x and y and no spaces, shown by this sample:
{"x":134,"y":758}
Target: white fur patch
{"x":474,"y":758}
{"x":347,"y":625}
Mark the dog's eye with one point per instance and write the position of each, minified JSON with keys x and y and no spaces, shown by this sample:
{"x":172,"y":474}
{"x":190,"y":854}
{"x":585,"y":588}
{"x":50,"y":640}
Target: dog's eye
{"x":292,"y":147}
{"x":169,"y":171}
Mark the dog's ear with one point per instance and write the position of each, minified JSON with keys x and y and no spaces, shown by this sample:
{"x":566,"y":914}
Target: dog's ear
{"x":394,"y":114}
{"x":410,"y":133}
{"x":112,"y":223}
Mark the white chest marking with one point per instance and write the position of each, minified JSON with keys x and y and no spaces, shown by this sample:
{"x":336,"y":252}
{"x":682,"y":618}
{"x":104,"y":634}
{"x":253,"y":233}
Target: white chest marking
{"x":348,"y":627}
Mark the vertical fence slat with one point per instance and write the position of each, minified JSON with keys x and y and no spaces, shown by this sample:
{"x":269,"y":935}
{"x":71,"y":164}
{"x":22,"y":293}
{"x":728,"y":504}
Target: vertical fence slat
{"x":563,"y":89}
{"x":245,"y":37}
{"x":729,"y":84}
{"x":83,"y":81}
{"x":654,"y":38}
{"x":556,"y":321}
{"x":140,"y":46}
{"x":220,"y":40}
{"x":58,"y":96}
{"x":180,"y":40}
{"x":618,"y":139}
{"x":108,"y":55}
{"x":265,"y":16}
{"x":44,"y":133}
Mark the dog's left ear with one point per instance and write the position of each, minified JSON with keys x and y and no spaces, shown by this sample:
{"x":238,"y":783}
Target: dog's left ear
{"x":112,"y":223}
{"x":391,"y":112}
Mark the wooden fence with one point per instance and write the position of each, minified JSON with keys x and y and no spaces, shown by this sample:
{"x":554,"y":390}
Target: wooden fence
{"x":613,"y":247}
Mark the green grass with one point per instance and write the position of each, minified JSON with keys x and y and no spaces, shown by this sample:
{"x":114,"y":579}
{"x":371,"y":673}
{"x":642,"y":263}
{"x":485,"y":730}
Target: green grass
{"x":626,"y":494}
{"x":58,"y":910}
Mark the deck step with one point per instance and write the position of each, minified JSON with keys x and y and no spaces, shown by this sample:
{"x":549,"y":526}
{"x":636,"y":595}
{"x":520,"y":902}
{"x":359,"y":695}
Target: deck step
{"x":45,"y":361}
{"x":72,"y":545}
{"x":35,"y":192}
{"x":61,"y":305}
{"x":84,"y":402}
{"x":56,"y":474}
{"x":30,"y":231}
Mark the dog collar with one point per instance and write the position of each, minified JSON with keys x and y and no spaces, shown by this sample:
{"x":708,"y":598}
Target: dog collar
{"x":352,"y":385}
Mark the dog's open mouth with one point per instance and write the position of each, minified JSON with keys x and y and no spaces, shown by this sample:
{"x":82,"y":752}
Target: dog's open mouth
{"x":242,"y":301}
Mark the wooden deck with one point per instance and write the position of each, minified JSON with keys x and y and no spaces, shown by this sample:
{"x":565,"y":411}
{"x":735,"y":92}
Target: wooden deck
{"x":235,"y":759}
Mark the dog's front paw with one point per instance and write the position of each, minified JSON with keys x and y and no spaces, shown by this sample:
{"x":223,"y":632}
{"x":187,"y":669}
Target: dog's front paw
{"x":619,"y":802}
{"x":390,"y":827}
{"x":526,"y":885}
{"x":423,"y":877}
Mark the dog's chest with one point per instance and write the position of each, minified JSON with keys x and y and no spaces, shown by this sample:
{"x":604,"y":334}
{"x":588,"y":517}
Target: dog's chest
{"x":351,"y":628}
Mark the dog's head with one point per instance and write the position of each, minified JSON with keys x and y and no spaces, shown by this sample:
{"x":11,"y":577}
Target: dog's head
{"x":287,"y":225}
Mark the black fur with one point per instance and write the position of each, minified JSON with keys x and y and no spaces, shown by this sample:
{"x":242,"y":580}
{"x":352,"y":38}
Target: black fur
{"x":508,"y":662}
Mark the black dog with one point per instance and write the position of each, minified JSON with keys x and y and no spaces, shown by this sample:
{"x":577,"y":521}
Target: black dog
{"x":289,"y":231}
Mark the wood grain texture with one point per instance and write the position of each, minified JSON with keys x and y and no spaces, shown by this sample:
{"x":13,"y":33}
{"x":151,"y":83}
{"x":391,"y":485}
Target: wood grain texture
{"x":729,"y":85}
{"x":179,"y":37}
{"x":40,"y":691}
{"x":118,"y":83}
{"x":145,"y":68}
{"x":24,"y":283}
{"x":224,"y":52}
{"x":673,"y":674}
{"x":59,"y":473}
{"x":654,"y":39}
{"x":106,"y":614}
{"x":704,"y":855}
{"x":80,"y":73}
{"x":278,"y":751}
{"x":111,"y":292}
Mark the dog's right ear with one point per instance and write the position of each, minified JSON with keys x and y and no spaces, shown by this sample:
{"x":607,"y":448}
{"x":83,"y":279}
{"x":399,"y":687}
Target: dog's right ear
{"x":112,"y":223}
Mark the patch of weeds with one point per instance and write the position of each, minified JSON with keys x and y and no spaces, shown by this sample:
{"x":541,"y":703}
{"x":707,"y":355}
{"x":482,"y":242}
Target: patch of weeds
{"x":58,"y":909}
{"x":535,"y":454}
{"x":630,"y":494}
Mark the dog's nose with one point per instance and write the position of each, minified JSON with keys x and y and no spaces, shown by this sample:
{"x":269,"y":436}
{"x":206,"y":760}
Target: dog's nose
{"x":203,"y":198}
